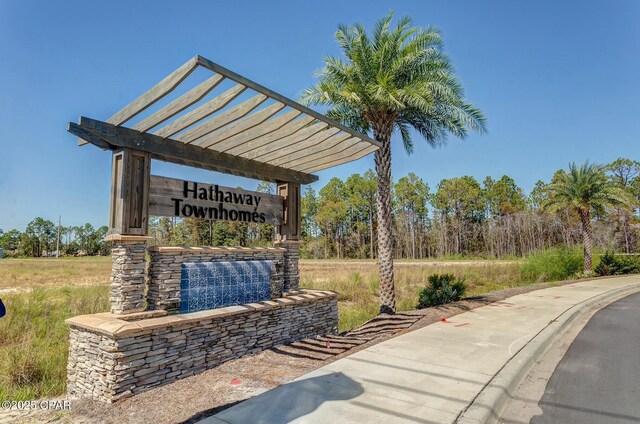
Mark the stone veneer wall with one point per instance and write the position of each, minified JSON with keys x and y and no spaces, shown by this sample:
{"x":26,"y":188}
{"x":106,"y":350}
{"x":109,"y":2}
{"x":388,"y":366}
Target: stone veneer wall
{"x":291,"y":269}
{"x":128,"y":275}
{"x":111,"y":358}
{"x":165,"y":269}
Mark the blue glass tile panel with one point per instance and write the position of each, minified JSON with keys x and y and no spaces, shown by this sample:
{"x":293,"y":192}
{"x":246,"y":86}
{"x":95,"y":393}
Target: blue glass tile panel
{"x":210,"y":285}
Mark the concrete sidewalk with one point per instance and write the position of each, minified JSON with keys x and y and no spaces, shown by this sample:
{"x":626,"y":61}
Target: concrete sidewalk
{"x":447,"y":372}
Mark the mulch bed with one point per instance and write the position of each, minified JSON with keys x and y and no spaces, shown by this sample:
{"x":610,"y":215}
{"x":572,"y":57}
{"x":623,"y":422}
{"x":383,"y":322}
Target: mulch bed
{"x":203,"y":395}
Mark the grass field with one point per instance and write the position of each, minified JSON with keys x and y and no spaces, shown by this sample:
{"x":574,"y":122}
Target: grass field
{"x":34,"y":337}
{"x":34,"y":340}
{"x":357,"y":282}
{"x":44,"y":272}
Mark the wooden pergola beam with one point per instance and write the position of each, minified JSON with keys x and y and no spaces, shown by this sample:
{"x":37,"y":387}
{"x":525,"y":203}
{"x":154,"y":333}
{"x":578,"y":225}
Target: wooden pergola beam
{"x":180,"y":104}
{"x":281,"y":133}
{"x":290,"y":148}
{"x":223,"y":119}
{"x":203,"y":111}
{"x":264,"y":128}
{"x":154,"y":94}
{"x":301,"y":135}
{"x":354,"y":152}
{"x":212,"y":139}
{"x":169,"y":150}
{"x":212,"y":66}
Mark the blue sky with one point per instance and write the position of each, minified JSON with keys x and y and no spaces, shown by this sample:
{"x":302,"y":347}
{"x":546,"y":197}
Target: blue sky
{"x":558,"y":82}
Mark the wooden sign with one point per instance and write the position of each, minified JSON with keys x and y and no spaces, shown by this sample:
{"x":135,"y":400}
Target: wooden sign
{"x":189,"y":199}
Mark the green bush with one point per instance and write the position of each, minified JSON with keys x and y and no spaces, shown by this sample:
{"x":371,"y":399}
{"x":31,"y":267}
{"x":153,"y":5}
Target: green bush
{"x":442,"y":288}
{"x":617,"y":265}
{"x":608,"y":265}
{"x":553,"y":265}
{"x":629,"y":264}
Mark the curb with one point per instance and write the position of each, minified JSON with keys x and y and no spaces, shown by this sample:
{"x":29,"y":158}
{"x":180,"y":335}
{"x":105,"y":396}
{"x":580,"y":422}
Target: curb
{"x":490,"y":402}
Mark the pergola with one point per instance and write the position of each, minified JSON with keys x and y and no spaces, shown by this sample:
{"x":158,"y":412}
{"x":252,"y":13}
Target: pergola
{"x":247,"y":130}
{"x":268,"y":136}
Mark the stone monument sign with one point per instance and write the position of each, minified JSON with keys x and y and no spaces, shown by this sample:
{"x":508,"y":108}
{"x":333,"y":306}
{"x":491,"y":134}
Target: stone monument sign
{"x":175,"y":310}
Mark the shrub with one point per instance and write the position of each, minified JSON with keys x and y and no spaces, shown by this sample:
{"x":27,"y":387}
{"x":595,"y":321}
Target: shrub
{"x":608,"y":265}
{"x":617,"y":265}
{"x":553,"y":264}
{"x":629,"y":264}
{"x":442,"y":288}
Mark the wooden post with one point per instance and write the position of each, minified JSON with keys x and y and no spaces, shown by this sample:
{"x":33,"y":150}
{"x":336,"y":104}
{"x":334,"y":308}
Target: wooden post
{"x":290,"y":228}
{"x":289,"y":235}
{"x":130,"y":178}
{"x":128,"y":226}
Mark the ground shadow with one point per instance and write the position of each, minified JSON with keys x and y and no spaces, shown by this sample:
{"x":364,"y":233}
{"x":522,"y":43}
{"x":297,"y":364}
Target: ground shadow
{"x":287,"y":402}
{"x":209,"y":412}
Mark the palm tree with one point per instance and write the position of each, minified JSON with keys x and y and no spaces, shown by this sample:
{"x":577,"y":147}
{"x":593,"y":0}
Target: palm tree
{"x":587,"y":191}
{"x":395,"y":80}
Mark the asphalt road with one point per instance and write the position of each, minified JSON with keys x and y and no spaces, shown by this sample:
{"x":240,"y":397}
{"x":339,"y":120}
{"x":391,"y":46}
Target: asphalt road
{"x":598,"y":380}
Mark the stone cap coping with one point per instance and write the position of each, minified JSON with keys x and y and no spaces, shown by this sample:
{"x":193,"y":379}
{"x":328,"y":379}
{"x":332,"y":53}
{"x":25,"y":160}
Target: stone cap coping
{"x":288,"y":242}
{"x":126,"y":237}
{"x":134,"y":316}
{"x":218,"y":249}
{"x":118,"y":327}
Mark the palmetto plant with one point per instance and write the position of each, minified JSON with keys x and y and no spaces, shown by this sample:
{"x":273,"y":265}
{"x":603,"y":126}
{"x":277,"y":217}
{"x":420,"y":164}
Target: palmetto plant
{"x":394,"y":80}
{"x":586,"y":190}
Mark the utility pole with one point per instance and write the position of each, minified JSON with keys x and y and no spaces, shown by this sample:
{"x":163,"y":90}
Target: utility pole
{"x":58,"y":239}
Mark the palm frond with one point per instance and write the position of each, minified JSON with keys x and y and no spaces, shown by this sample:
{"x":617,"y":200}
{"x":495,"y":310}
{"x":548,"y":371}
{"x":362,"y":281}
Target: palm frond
{"x":399,"y":74}
{"x":407,"y":142}
{"x":585,"y":187}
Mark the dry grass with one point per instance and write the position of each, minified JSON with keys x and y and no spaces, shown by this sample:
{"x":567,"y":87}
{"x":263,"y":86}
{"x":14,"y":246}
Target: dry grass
{"x":34,"y":337}
{"x":45,"y":272}
{"x":358,"y":282}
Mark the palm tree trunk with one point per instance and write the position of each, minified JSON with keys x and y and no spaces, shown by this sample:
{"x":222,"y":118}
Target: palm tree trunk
{"x":371,"y":232}
{"x":382,"y":134}
{"x":585,"y":217}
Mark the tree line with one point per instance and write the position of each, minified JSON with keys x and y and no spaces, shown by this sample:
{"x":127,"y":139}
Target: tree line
{"x":40,"y":238}
{"x":461,"y":217}
{"x":457,"y":217}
